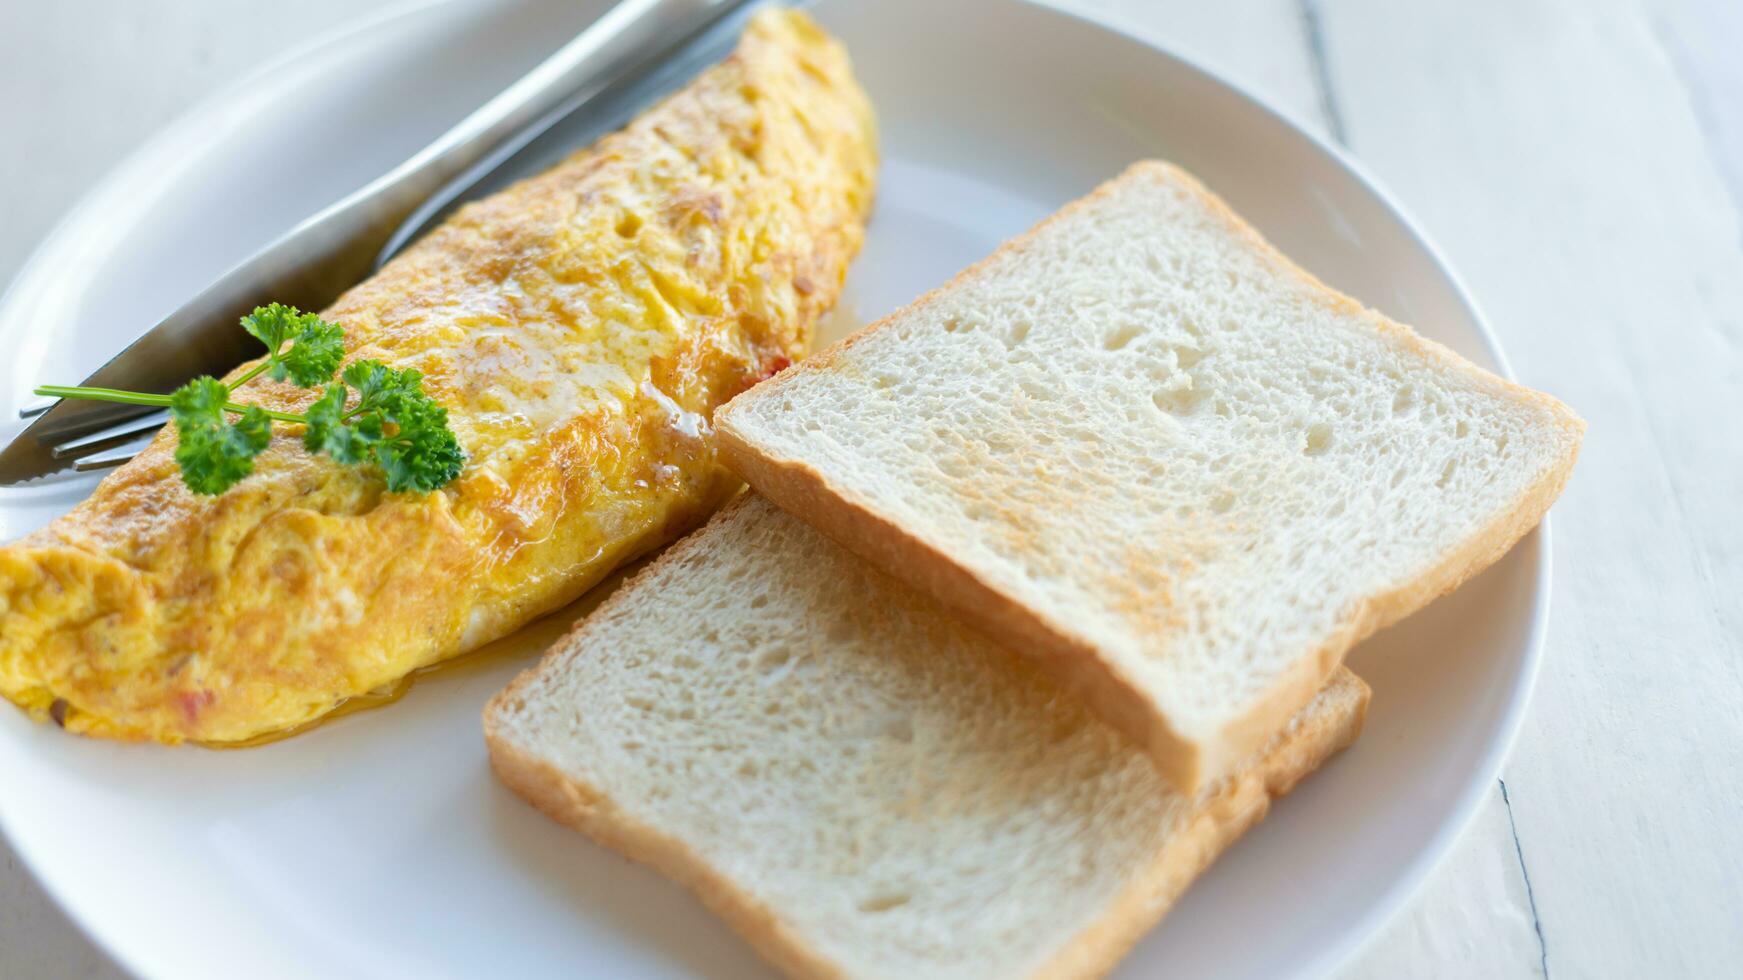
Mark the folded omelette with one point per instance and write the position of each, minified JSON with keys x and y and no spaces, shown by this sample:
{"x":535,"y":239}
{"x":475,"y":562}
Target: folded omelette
{"x":580,"y":327}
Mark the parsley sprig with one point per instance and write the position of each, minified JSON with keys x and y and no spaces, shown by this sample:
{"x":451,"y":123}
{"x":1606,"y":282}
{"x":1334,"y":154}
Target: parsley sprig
{"x":390,"y":423}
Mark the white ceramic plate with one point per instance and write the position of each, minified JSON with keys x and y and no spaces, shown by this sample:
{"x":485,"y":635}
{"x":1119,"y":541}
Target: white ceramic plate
{"x":380,"y":845}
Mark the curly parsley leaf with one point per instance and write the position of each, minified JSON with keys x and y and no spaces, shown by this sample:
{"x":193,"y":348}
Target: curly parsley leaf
{"x":272,"y":325}
{"x":316,"y":346}
{"x":391,"y":424}
{"x":215,"y":452}
{"x":422,"y":454}
{"x":402,"y":429}
{"x":376,"y":382}
{"x":314,"y":355}
{"x":326,"y":431}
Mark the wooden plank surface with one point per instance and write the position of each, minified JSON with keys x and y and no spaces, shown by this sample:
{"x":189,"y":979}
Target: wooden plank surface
{"x":1558,"y":153}
{"x":1582,"y":166}
{"x":82,"y":82}
{"x":1473,"y":918}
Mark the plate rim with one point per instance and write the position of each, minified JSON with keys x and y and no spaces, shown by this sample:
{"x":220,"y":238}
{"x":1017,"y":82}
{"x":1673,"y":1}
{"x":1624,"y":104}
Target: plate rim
{"x":137,"y":165}
{"x":1512,"y":720}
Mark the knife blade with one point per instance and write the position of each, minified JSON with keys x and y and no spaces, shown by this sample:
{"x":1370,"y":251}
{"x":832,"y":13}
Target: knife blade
{"x":586,"y":88}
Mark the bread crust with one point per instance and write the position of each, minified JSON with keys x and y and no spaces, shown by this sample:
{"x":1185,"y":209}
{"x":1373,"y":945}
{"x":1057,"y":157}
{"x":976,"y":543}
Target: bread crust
{"x":587,"y":809}
{"x":1218,"y":821}
{"x":152,"y":612}
{"x":591,"y":810}
{"x":1186,"y":760}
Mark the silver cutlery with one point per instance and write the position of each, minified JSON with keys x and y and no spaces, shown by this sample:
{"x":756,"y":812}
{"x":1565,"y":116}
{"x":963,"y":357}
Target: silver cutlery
{"x":639,"y":51}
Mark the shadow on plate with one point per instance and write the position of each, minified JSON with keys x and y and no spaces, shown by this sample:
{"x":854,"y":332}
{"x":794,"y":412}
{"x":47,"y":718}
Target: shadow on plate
{"x":598,"y":884}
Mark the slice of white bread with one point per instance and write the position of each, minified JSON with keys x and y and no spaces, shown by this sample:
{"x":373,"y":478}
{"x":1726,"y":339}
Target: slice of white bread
{"x":1142,"y":444}
{"x":857,"y":783}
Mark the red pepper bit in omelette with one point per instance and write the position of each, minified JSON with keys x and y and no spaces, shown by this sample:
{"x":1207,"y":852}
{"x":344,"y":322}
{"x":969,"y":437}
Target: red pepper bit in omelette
{"x":769,"y":367}
{"x":193,"y":702}
{"x":775,"y":366}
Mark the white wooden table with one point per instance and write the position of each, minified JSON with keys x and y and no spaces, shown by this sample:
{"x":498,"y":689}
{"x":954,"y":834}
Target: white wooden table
{"x":1580,"y":162}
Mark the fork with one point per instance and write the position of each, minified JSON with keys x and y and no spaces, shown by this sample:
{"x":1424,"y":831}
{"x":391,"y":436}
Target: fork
{"x":637,"y":51}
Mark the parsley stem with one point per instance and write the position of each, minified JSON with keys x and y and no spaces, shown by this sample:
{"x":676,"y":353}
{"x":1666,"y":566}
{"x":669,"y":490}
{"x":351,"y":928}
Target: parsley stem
{"x":249,"y":375}
{"x":142,"y":398}
{"x":103,"y":395}
{"x":280,"y":416}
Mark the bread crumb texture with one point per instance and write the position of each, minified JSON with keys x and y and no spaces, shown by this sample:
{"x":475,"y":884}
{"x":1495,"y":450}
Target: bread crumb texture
{"x":1146,"y":431}
{"x":859,"y":783}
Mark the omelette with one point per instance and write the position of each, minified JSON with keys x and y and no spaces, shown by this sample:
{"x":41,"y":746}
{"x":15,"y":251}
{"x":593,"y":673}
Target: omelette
{"x":580,"y":327}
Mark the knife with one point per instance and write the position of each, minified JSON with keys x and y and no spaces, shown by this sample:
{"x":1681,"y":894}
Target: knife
{"x":638,"y":51}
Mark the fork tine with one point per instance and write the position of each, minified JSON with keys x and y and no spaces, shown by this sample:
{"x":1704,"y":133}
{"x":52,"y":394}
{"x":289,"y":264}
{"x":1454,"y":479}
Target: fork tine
{"x":104,"y":438}
{"x":87,"y":417}
{"x":112,"y":457}
{"x":332,"y":250}
{"x":36,"y":408}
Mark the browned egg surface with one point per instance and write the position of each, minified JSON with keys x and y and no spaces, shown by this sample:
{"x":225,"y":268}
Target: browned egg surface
{"x":580,"y":327}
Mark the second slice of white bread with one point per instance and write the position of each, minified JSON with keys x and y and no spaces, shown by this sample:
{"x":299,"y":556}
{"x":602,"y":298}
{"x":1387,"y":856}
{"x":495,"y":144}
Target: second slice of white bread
{"x":1141,"y":443}
{"x":857,"y":783}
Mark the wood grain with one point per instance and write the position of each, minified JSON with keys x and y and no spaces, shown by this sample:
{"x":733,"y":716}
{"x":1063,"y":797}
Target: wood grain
{"x":1582,"y":166}
{"x":1473,"y":917}
{"x":1554,"y":150}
